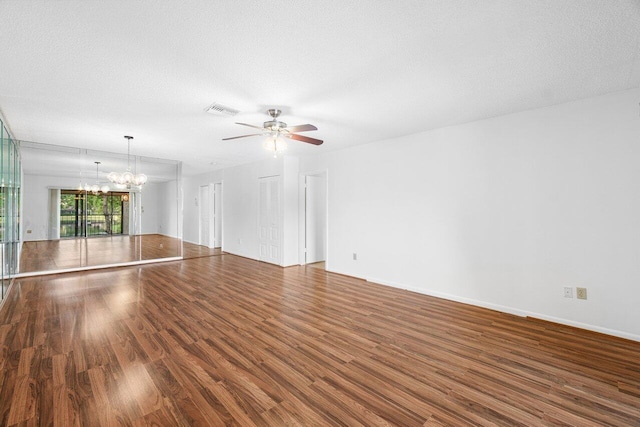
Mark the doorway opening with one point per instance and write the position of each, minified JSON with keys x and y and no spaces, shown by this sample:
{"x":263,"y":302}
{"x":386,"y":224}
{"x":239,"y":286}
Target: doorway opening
{"x":315,"y":220}
{"x":210,"y":214}
{"x":204,"y":214}
{"x":217,"y":215}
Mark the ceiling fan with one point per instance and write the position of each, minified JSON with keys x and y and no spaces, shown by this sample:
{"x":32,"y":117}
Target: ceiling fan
{"x":274,"y":128}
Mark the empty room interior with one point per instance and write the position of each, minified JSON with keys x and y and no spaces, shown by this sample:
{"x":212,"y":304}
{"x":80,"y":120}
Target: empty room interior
{"x":390,"y":213}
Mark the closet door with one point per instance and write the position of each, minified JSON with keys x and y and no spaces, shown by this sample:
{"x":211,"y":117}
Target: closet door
{"x":269,"y":237}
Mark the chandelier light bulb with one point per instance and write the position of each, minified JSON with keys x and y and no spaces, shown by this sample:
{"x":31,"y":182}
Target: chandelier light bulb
{"x":127,"y":178}
{"x":139,"y":179}
{"x":95,"y":188}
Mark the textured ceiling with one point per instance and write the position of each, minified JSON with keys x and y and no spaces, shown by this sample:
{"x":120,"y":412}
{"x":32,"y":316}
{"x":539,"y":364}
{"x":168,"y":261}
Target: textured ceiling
{"x":85,"y":73}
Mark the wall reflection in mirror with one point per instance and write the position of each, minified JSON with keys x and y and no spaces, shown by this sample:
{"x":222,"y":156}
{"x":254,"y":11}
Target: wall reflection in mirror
{"x":73,"y":216}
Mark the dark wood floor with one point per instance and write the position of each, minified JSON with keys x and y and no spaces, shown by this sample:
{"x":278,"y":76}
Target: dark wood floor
{"x":224,"y":340}
{"x":191,"y":250}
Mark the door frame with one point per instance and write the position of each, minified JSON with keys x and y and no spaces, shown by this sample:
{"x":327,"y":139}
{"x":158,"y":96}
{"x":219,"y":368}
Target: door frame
{"x":302,"y":216}
{"x":217,"y":218}
{"x":206,"y":188}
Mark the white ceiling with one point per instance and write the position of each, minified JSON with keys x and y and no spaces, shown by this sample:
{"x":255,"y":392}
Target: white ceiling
{"x":79,"y":164}
{"x":86,"y":73}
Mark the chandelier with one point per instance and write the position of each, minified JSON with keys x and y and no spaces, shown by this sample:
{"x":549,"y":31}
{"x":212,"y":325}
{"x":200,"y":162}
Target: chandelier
{"x":128,"y":179}
{"x":96,"y":188}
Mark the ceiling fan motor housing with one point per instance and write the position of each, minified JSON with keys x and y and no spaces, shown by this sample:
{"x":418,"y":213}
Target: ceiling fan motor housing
{"x":274,"y":125}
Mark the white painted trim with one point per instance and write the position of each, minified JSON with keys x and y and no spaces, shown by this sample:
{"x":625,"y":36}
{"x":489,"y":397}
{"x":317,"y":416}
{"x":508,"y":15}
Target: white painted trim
{"x":509,"y":310}
{"x":96,"y":267}
{"x":220,"y":209}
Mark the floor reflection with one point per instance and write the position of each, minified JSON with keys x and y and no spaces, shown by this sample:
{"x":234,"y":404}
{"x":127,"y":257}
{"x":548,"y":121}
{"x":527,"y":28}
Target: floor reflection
{"x":51,"y":255}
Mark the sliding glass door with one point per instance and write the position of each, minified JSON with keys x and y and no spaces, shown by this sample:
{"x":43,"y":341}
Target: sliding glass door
{"x":85,"y":214}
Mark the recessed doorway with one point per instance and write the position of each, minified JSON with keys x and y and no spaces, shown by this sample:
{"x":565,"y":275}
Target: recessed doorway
{"x":315,"y":220}
{"x":210,"y":215}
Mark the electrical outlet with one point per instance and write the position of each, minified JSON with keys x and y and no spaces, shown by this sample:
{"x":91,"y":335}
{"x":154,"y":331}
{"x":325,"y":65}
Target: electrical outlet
{"x":355,"y":256}
{"x":581,"y":293}
{"x":568,"y":292}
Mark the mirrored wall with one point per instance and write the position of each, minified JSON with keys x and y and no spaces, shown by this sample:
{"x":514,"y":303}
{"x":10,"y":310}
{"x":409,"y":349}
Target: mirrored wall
{"x":75,"y":217}
{"x":9,"y":207}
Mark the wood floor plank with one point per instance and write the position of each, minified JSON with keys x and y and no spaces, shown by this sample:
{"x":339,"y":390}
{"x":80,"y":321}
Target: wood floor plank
{"x":223,"y":340}
{"x":23,"y":404}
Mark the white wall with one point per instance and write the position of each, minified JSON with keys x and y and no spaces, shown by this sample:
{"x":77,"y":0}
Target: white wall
{"x":160,"y":202}
{"x":240,"y":206}
{"x":168,"y":209}
{"x":34,"y":223}
{"x":316,"y":218}
{"x":502,"y":212}
{"x":191,"y":186}
{"x":151,"y":199}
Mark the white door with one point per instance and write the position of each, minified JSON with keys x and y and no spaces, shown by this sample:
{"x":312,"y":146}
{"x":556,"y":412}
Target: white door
{"x":203,"y":207}
{"x":217,"y":215}
{"x":270,"y":243}
{"x":315,"y":218}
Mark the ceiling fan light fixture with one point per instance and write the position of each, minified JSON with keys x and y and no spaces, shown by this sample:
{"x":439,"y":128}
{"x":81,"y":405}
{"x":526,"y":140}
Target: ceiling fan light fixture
{"x":276,"y":144}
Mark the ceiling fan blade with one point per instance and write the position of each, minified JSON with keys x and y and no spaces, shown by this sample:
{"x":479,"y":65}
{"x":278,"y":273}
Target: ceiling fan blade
{"x":305,"y":139}
{"x":241,"y":136}
{"x":302,"y":128}
{"x":251,"y":126}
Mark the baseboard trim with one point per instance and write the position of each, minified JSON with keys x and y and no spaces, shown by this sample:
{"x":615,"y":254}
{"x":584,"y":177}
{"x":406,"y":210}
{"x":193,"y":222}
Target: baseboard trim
{"x":96,"y":267}
{"x":509,"y":310}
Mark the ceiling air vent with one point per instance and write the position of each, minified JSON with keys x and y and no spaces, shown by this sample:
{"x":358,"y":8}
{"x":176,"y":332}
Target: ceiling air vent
{"x":220,"y":110}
